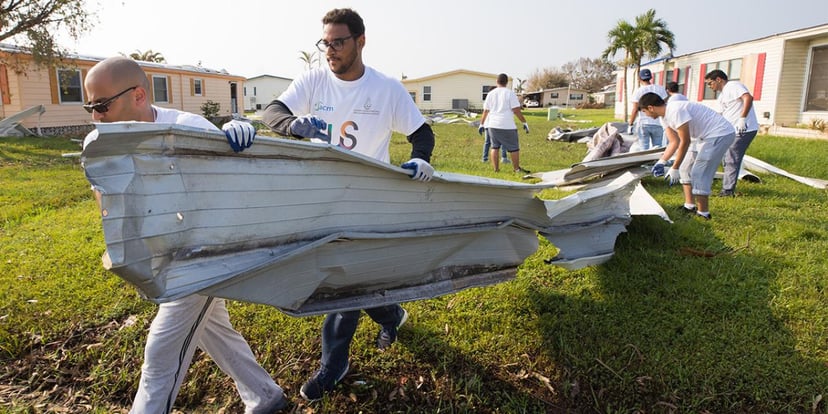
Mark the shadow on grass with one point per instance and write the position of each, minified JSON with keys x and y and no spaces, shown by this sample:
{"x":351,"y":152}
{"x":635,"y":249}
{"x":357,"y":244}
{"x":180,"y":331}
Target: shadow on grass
{"x":686,"y":332}
{"x":424,"y":373}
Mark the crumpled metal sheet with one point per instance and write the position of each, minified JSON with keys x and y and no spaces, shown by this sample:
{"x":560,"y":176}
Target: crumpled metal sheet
{"x":311,"y":228}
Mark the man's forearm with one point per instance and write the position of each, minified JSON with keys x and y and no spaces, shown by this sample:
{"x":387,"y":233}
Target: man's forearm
{"x":278,"y":117}
{"x":422,"y":142}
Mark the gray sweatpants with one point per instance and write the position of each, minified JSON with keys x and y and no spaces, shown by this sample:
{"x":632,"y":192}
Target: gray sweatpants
{"x":180,"y":326}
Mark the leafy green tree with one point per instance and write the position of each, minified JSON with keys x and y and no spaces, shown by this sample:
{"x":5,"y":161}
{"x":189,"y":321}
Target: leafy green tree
{"x":646,"y":38}
{"x":653,"y":35}
{"x":520,"y":85}
{"x":623,"y":37}
{"x":310,"y":59}
{"x":148,"y":56}
{"x":33,"y":24}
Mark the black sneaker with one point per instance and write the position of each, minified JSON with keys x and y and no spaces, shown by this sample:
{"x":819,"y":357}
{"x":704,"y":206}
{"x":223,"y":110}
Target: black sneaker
{"x":386,"y":337}
{"x":521,"y":170}
{"x":727,"y":193}
{"x":322,"y":381}
{"x":684,"y":209}
{"x":707,"y":216}
{"x":277,"y":406}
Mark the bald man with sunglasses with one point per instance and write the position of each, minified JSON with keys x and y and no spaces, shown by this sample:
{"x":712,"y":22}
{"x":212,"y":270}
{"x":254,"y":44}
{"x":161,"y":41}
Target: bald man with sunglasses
{"x":118,"y":90}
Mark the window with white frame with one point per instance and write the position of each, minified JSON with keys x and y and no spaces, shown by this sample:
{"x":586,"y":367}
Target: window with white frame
{"x":732,"y":68}
{"x":817,"y":98}
{"x":553,"y":95}
{"x":197,"y":90}
{"x":160,"y":89}
{"x":576,"y":96}
{"x":69,"y":86}
{"x":427,"y":93}
{"x":413,"y":95}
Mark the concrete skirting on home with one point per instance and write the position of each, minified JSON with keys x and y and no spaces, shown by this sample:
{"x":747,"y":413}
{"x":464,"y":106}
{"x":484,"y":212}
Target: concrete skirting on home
{"x":793,"y":132}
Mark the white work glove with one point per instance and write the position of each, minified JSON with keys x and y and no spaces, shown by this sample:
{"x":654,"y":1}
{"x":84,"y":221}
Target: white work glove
{"x":672,"y":176}
{"x":658,"y":169}
{"x":310,"y":126}
{"x":239,"y":134}
{"x":630,"y":129}
{"x":423,"y":171}
{"x":741,"y":126}
{"x":526,"y":127}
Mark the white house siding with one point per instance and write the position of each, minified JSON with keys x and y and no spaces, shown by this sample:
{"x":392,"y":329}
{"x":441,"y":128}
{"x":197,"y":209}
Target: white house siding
{"x":563,"y":99}
{"x":261,"y":90}
{"x":450,"y":86}
{"x":792,"y":83}
{"x":807,"y":117}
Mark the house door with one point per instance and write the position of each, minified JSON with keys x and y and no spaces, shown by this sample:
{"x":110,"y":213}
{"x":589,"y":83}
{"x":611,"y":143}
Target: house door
{"x":234,"y":100}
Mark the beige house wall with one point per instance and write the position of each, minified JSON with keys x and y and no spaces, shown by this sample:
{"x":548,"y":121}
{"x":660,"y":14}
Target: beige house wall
{"x":35,"y":87}
{"x":448,"y":86}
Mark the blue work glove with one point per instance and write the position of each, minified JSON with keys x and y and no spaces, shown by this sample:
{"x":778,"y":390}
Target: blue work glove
{"x":239,"y":134}
{"x":422,"y":170}
{"x":310,"y":126}
{"x":672,"y":176}
{"x":658,"y":169}
{"x":480,"y":129}
{"x":526,"y":127}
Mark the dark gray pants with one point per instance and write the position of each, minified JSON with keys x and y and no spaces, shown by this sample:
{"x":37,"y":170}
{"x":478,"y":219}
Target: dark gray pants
{"x":733,"y":159}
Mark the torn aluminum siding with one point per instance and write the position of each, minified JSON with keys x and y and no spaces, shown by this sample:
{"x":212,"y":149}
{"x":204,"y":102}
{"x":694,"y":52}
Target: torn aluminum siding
{"x":312,"y":228}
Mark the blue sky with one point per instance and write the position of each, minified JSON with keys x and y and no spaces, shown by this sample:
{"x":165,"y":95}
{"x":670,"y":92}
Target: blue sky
{"x":423,"y":37}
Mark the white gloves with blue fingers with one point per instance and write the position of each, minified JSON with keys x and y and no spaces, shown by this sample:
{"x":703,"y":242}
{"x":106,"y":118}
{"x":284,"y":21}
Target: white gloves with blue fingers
{"x":239,"y":134}
{"x":423,"y":171}
{"x":672,"y":176}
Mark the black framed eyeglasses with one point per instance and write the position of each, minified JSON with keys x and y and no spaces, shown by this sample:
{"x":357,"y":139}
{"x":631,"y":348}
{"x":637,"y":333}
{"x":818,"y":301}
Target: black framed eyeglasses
{"x":103,"y":106}
{"x":336,"y":44}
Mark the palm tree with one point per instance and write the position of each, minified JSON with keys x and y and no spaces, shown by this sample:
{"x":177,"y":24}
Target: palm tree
{"x":521,"y":84}
{"x":148,"y":56}
{"x":653,"y":33}
{"x":309,"y":58}
{"x":623,"y":36}
{"x":644,"y":39}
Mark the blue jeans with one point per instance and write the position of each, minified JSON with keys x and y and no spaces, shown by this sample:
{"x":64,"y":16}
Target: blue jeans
{"x":650,"y":132}
{"x":339,"y":328}
{"x":488,"y":144}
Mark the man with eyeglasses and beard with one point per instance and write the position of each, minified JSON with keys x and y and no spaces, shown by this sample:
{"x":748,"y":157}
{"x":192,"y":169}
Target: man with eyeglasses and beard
{"x":118,"y":90}
{"x":355,"y":107}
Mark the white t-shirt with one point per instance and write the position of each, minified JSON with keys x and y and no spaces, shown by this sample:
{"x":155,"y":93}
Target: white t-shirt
{"x":167,"y":116}
{"x":361,"y":114}
{"x":704,"y":122}
{"x":731,"y":103}
{"x":657,"y":89}
{"x":500,"y":101}
{"x":677,"y":97}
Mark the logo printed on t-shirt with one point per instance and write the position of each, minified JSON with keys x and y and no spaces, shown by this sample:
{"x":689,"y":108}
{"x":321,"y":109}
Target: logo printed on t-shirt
{"x":322,"y":107}
{"x":344,"y":136}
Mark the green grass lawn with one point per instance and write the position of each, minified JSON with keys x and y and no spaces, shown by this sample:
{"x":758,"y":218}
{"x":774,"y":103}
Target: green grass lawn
{"x":721,"y":316}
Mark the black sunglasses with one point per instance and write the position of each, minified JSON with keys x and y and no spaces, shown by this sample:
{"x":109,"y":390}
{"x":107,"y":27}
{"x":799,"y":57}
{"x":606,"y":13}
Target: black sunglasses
{"x":103,"y":106}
